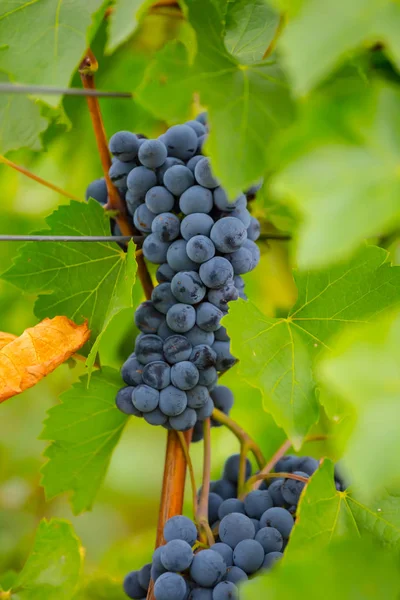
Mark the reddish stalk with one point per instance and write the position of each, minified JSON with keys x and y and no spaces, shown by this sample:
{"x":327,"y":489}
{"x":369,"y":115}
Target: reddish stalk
{"x":87,"y":69}
{"x":266,"y":476}
{"x":271,"y":463}
{"x":202,"y":512}
{"x":27,"y":173}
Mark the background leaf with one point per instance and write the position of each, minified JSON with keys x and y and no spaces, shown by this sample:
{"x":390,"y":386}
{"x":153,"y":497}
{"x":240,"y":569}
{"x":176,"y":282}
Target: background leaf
{"x":84,"y":430}
{"x":80,"y":280}
{"x":53,"y":567}
{"x":122,"y":22}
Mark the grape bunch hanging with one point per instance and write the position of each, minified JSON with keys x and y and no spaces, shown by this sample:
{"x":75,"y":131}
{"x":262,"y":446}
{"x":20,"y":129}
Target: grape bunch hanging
{"x":202,"y":243}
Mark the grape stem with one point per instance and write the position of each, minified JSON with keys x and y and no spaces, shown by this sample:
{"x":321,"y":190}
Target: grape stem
{"x":202,"y":510}
{"x":247,"y":444}
{"x":47,"y":184}
{"x":185,"y":449}
{"x":271,"y":463}
{"x":87,"y":69}
{"x":283,"y":475}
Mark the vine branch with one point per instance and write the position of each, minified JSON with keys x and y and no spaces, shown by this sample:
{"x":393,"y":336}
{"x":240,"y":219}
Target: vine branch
{"x":202,"y":512}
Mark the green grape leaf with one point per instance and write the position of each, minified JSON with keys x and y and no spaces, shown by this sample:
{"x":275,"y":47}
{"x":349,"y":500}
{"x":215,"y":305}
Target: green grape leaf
{"x":277,"y":355}
{"x":21,"y":122}
{"x":349,"y":175}
{"x":53,"y":568}
{"x":246,"y":104}
{"x":338,"y":29}
{"x":347,"y":569}
{"x":82,"y":281}
{"x":249,"y":29}
{"x":83,"y":430}
{"x":364,"y":369}
{"x":102,"y":588}
{"x":122,"y":22}
{"x":48,"y":52}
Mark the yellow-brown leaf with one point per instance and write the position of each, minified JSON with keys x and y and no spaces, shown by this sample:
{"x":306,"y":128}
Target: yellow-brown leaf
{"x":26,"y":359}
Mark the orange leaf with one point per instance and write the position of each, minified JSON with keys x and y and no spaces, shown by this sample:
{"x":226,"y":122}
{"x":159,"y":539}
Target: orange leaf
{"x":25,"y":360}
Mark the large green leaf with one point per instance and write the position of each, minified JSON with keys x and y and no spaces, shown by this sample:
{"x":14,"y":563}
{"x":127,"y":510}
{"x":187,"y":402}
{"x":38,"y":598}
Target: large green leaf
{"x":82,"y":281}
{"x":346,"y":172}
{"x":43,"y":41}
{"x":84,"y":430}
{"x":347,"y":569}
{"x":277,"y":355}
{"x":54,"y":565}
{"x":316,"y":40}
{"x":325,"y":514}
{"x":21,"y":122}
{"x":249,"y":29}
{"x":122,"y":22}
{"x":365,"y":370}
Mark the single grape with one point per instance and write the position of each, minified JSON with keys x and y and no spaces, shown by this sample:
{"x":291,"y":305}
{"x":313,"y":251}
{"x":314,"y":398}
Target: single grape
{"x":207,"y":568}
{"x":208,"y":377}
{"x":143,"y":218}
{"x":119,"y":171}
{"x":228,"y":234}
{"x":147,"y":318}
{"x":308,"y":465}
{"x":231,"y":468}
{"x":204,"y":175}
{"x":170,"y":586}
{"x":270,"y":559}
{"x":275,"y":491}
{"x":288,"y":464}
{"x":164,"y":273}
{"x":197,"y":336}
{"x":170,"y":161}
{"x":222,"y":202}
{"x":97,"y":190}
{"x":240,"y":213}
{"x":124,"y":402}
{"x":144,"y":576}
{"x":132,"y":587}
{"x":200,"y":249}
{"x":203,"y":356}
{"x":221,"y":335}
{"x":172,"y":401}
{"x":202,"y":118}
{"x":132,"y":371}
{"x":248,"y":555}
{"x":224,"y":488}
{"x":223,"y":398}
{"x":124,"y":145}
{"x":225,"y":360}
{"x":197,"y":397}
{"x":145,"y":398}
{"x":164,"y":331}
{"x":178,"y":179}
{"x":291,"y":488}
{"x":184,"y":421}
{"x":197,"y":127}
{"x":177,"y":556}
{"x":187,"y":287}
{"x":205,"y":411}
{"x":223,"y":296}
{"x":234,"y":528}
{"x":270,"y":539}
{"x":152,"y":153}
{"x":257,"y":502}
{"x":279,"y":518}
{"x":149,"y":347}
{"x":181,"y":141}
{"x":184,"y":375}
{"x":239,"y":282}
{"x":163,"y":298}
{"x":254,"y":250}
{"x":253,"y":230}
{"x":155,"y":417}
{"x":159,"y":200}
{"x":241,"y":261}
{"x":154,"y":250}
{"x":196,"y":199}
{"x":225,"y":551}
{"x":197,"y":223}
{"x":191,"y":164}
{"x":180,"y":528}
{"x":178,"y":259}
{"x":235,"y":575}
{"x":208,"y":316}
{"x":215,"y":273}
{"x":197,"y":432}
{"x":166,"y":227}
{"x":226,"y":590}
{"x":229,"y":506}
{"x":140,"y":180}
{"x":157,"y":374}
{"x":177,"y":348}
{"x":181,"y":317}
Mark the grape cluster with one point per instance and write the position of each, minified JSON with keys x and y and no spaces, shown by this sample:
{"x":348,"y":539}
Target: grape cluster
{"x":202,"y":243}
{"x":250,"y":537}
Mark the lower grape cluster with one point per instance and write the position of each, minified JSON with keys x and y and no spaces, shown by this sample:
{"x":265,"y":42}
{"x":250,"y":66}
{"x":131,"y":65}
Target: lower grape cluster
{"x":250,"y":537}
{"x":202,"y":243}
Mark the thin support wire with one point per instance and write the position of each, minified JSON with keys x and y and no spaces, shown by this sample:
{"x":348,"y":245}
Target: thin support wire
{"x":72,"y":238}
{"x":44,"y":90}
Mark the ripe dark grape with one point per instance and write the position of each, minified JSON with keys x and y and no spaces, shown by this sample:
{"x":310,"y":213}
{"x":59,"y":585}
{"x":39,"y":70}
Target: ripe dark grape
{"x":257,"y":502}
{"x":140,"y":180}
{"x":177,"y":257}
{"x":152,"y":153}
{"x":177,"y":348}
{"x":197,"y":336}
{"x":172,"y":401}
{"x":229,"y":506}
{"x":234,"y":528}
{"x":124,"y":402}
{"x":225,"y":551}
{"x":270,"y":559}
{"x":180,"y":528}
{"x":228,"y":234}
{"x":148,"y":348}
{"x":181,"y":141}
{"x":196,"y":199}
{"x":235,"y":575}
{"x":154,"y":249}
{"x":132,"y":587}
{"x":196,"y":224}
{"x":279,"y":518}
{"x":226,"y":590}
{"x":270,"y":539}
{"x":157,"y":374}
{"x":162,"y":298}
{"x":132,"y":371}
{"x":98,"y":191}
{"x":204,"y":175}
{"x":207,"y":568}
{"x":184,"y":421}
{"x":198,"y":396}
{"x":119,"y":172}
{"x":159,"y":200}
{"x":181,"y":317}
{"x":291,"y":488}
{"x":187,"y":287}
{"x":178,"y":179}
{"x":165,"y":227}
{"x":170,"y":586}
{"x":143,"y":219}
{"x":215,"y":273}
{"x":200,"y":249}
{"x":124,"y":145}
{"x":145,"y":398}
{"x":231,"y":468}
{"x":184,"y":375}
{"x":155,"y":417}
{"x":176,"y":556}
{"x":248,"y":555}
